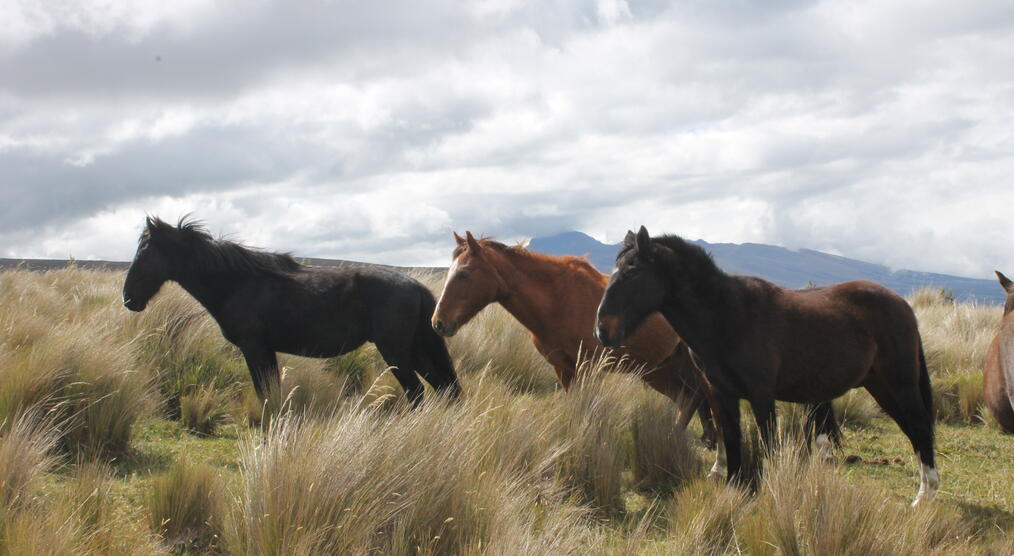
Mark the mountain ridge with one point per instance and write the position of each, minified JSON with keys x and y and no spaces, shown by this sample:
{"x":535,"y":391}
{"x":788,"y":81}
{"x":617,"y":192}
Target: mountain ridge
{"x":786,"y":267}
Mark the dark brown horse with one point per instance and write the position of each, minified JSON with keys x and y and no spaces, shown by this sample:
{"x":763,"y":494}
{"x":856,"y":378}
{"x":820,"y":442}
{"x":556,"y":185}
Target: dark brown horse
{"x":555,"y":299}
{"x":998,"y":374}
{"x":762,"y":343}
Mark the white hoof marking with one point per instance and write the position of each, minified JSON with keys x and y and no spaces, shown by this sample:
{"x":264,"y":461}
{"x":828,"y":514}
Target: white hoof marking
{"x":824,"y":448}
{"x":720,"y":468}
{"x":929,"y":482}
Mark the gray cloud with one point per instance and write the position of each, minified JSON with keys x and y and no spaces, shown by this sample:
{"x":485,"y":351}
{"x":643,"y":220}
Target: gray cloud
{"x":370,"y":131}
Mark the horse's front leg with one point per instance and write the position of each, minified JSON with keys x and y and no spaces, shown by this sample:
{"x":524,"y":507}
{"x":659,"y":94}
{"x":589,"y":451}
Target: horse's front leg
{"x":763,"y":407}
{"x":727,"y":456}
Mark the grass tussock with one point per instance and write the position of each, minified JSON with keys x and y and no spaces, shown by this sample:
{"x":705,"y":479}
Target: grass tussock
{"x":955,"y":336}
{"x":26,"y":450}
{"x":185,"y":507}
{"x":662,"y":456}
{"x":86,"y":382}
{"x":856,"y":409}
{"x":205,"y":409}
{"x":804,"y":506}
{"x":958,"y":399}
{"x":705,"y":515}
{"x":430,"y":481}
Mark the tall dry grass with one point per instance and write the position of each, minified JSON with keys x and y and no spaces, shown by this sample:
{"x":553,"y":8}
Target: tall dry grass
{"x":77,"y":369}
{"x":955,"y":338}
{"x":81,"y":519}
{"x":182,"y":348}
{"x":185,"y":507}
{"x":515,"y":466}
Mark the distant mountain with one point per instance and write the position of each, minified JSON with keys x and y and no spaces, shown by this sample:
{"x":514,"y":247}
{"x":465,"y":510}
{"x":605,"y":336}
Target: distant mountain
{"x":792,"y":269}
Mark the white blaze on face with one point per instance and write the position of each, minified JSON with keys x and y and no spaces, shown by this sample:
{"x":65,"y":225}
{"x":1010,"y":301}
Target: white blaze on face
{"x":450,"y":274}
{"x":929,"y":482}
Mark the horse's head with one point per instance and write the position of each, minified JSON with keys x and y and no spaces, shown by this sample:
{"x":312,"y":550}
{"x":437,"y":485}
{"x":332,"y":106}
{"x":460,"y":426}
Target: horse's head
{"x":1008,"y":287}
{"x":635,"y":290}
{"x":151,"y":266}
{"x":472,"y":283}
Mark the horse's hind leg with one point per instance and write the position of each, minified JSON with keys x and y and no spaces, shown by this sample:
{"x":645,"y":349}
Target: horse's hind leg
{"x":433,"y":361}
{"x":399,"y":358}
{"x":906,"y":407}
{"x":438,"y":378}
{"x":263,"y":365}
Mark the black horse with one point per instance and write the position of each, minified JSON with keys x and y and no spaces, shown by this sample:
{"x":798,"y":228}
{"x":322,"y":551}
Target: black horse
{"x":267,"y":302}
{"x":761,"y":342}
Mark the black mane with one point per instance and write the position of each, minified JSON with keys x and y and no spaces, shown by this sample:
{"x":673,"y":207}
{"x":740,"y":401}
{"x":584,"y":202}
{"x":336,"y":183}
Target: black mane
{"x":691,"y":254}
{"x":215,"y":255}
{"x":691,"y":257}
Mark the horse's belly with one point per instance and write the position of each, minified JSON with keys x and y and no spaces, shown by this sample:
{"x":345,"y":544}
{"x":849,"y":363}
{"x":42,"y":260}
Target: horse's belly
{"x":818,"y":382}
{"x":319,"y":345}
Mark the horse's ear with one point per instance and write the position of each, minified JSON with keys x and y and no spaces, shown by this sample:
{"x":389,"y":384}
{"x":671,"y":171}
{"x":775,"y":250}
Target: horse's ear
{"x":473,"y":245}
{"x":643,"y":241}
{"x":629,"y":238}
{"x":149,"y":223}
{"x":458,"y":239}
{"x":1008,"y":286}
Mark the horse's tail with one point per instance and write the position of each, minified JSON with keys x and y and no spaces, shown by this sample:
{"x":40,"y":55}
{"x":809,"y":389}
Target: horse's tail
{"x":433,"y":361}
{"x":924,"y":386}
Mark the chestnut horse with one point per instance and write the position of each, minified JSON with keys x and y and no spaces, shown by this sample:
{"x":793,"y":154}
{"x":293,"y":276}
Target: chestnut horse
{"x":555,"y":298}
{"x":761,"y":342}
{"x":998,"y":374}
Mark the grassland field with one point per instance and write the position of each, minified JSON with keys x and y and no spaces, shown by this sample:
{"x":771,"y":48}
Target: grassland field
{"x":124,"y":433}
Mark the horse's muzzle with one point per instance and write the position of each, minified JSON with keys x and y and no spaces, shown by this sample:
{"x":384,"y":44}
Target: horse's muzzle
{"x":607,"y":332}
{"x":446,"y":329}
{"x":132,"y":305}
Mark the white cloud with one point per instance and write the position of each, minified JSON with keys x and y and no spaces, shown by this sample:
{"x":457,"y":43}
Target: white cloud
{"x":877,"y":130}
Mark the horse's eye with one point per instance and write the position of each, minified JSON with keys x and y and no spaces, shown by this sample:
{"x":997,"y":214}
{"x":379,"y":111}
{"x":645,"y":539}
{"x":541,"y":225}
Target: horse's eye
{"x":462,"y":275}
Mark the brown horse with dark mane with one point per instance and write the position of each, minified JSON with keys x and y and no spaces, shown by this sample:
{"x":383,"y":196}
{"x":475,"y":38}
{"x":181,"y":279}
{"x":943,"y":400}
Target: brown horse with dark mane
{"x":762,"y":343}
{"x":998,"y":374}
{"x":555,"y":298}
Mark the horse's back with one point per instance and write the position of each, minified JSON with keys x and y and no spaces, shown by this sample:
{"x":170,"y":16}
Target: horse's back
{"x":833,"y":336}
{"x":328,"y":311}
{"x":869,"y":304}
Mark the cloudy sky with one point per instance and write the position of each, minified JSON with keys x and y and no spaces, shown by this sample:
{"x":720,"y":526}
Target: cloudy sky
{"x":880,"y":130}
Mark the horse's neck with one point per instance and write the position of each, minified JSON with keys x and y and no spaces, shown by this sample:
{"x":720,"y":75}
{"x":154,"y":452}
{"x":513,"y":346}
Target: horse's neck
{"x":534,"y":302}
{"x":702,"y":317}
{"x":209,"y":288}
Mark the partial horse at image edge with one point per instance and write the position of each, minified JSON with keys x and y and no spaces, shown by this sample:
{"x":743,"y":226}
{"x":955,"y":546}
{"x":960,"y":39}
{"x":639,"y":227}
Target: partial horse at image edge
{"x":998,"y":370}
